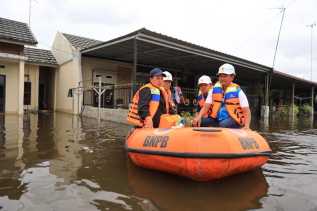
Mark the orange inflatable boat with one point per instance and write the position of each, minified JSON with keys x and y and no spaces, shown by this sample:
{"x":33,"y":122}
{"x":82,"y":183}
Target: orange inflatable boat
{"x":201,"y":154}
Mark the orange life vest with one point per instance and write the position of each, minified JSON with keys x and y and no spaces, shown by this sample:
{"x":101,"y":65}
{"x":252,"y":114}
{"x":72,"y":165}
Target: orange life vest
{"x":133,"y":116}
{"x":230,"y":97}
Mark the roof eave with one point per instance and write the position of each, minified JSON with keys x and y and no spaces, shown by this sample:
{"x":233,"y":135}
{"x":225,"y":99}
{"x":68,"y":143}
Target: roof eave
{"x":42,"y":64}
{"x":18,"y":42}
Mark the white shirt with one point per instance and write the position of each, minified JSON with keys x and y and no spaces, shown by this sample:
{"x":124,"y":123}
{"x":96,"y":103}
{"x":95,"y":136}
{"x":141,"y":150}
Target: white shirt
{"x":242,"y":98}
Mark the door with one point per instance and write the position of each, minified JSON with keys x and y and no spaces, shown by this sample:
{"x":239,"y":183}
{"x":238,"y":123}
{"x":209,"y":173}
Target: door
{"x":2,"y":93}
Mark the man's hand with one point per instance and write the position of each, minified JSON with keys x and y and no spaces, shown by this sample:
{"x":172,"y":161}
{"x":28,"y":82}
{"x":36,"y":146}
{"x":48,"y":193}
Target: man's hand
{"x":196,"y":121}
{"x":148,"y":123}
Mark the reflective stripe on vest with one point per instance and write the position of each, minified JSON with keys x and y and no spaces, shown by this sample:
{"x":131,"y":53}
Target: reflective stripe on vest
{"x":133,"y":116}
{"x":230,"y":98}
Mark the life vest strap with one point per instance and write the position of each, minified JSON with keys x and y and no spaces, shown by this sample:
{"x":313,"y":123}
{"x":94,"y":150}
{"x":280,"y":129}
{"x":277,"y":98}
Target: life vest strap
{"x":218,"y":101}
{"x":228,"y":103}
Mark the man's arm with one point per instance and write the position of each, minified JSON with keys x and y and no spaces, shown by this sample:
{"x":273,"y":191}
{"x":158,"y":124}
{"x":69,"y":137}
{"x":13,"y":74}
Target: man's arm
{"x":203,"y":111}
{"x":144,"y":106}
{"x":244,"y":103}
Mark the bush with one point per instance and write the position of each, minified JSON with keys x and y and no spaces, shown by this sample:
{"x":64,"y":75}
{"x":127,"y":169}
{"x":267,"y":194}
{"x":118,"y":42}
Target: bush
{"x":188,"y":117}
{"x":285,"y":111}
{"x":305,"y":110}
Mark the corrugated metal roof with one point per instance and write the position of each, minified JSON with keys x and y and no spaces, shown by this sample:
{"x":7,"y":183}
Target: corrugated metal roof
{"x":81,"y":42}
{"x":40,"y":56}
{"x":294,"y":78}
{"x":15,"y":31}
{"x":154,"y":36}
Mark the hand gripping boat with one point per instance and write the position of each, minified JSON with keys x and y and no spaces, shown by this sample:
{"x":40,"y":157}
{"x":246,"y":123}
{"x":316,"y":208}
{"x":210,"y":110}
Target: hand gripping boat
{"x":201,"y":154}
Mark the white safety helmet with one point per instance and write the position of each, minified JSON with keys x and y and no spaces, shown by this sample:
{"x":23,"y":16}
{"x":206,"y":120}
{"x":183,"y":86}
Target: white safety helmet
{"x":167,"y":76}
{"x":204,"y":79}
{"x":227,"y":69}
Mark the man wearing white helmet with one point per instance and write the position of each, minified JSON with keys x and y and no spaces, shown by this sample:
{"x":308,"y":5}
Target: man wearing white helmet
{"x":167,"y":84}
{"x":205,"y":85}
{"x":230,"y":107}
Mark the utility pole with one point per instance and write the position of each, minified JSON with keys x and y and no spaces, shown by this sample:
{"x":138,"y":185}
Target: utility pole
{"x":30,"y":8}
{"x":282,"y":9}
{"x":311,"y":49}
{"x":30,"y":11}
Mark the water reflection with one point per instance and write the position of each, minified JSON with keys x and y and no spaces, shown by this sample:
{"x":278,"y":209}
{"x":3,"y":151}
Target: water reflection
{"x":57,"y":161}
{"x":174,"y":193}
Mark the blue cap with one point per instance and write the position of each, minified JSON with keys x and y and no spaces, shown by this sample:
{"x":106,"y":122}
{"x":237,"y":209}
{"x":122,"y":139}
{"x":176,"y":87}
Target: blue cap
{"x":156,"y":71}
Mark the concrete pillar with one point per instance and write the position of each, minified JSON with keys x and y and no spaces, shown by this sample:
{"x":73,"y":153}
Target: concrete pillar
{"x":80,"y":83}
{"x":21,"y":87}
{"x":56,"y":74}
{"x":36,"y":84}
{"x":265,"y":109}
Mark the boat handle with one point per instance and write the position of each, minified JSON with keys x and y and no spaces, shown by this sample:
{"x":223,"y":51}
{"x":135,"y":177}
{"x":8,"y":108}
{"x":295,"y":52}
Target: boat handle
{"x":201,"y":129}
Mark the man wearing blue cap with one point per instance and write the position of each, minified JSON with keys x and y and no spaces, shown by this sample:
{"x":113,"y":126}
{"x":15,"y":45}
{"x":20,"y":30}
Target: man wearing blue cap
{"x":149,"y":102}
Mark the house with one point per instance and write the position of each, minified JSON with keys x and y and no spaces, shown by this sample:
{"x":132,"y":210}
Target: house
{"x":77,"y":74}
{"x":126,"y":60}
{"x":26,"y":73}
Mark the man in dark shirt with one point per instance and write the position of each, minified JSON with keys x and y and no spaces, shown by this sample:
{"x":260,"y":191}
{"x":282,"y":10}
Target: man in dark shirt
{"x":146,"y":96}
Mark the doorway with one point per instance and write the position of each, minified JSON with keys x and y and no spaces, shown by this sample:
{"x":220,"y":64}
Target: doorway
{"x":2,"y":93}
{"x":46,"y":89}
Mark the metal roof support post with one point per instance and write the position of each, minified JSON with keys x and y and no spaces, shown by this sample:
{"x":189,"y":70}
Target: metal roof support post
{"x":135,"y":62}
{"x":267,"y":89}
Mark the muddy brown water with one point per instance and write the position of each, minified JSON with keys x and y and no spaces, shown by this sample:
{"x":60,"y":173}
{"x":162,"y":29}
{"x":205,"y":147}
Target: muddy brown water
{"x":60,"y":162}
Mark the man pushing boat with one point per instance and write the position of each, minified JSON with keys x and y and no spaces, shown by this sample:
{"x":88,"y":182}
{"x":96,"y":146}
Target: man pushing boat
{"x":227,"y":101}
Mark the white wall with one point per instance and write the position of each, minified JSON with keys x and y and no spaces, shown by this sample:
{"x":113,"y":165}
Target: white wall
{"x":67,"y":76}
{"x":11,"y":71}
{"x":62,"y":49}
{"x":121,"y":72}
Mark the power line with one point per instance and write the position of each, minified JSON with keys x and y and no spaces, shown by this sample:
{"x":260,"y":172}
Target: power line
{"x":282,"y":10}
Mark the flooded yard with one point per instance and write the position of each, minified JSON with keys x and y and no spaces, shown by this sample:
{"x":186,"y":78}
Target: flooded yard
{"x":62,"y":162}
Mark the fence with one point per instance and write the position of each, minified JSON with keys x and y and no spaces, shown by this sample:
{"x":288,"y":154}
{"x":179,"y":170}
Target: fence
{"x":119,"y":96}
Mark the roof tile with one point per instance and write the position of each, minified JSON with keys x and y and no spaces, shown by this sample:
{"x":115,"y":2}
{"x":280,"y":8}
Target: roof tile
{"x":16,"y":31}
{"x":39,"y":56}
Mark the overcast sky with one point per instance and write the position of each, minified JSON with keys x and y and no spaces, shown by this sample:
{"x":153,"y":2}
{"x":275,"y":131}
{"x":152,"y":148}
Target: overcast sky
{"x":244,"y":28}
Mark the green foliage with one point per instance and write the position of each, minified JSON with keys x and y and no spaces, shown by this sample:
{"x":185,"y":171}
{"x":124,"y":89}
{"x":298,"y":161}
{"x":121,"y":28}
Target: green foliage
{"x":188,"y":117}
{"x":305,"y":110}
{"x":285,"y":111}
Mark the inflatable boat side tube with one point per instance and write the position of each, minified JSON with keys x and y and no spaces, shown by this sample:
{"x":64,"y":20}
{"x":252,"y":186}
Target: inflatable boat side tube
{"x":200,"y":155}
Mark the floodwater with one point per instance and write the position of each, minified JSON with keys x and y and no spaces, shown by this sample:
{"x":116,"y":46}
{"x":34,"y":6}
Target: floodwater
{"x":60,"y":162}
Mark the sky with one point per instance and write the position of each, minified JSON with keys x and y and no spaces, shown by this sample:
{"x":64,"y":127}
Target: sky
{"x":246,"y":28}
